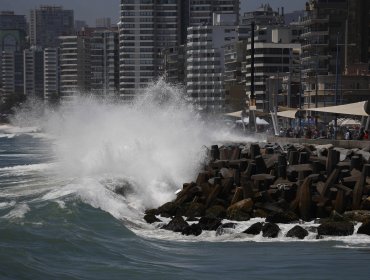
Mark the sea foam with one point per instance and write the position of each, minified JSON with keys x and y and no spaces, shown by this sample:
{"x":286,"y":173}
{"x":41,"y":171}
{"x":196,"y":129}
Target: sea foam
{"x":155,"y":144}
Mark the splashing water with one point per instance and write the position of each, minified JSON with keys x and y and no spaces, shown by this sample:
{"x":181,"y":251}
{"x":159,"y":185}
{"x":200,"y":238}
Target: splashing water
{"x":147,"y":149}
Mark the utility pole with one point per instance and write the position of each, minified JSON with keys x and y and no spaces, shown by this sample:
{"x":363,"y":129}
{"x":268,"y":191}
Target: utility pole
{"x":336,"y":87}
{"x":252,"y":99}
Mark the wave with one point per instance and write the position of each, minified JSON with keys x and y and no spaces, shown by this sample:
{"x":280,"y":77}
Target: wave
{"x":147,"y":148}
{"x":18,"y":212}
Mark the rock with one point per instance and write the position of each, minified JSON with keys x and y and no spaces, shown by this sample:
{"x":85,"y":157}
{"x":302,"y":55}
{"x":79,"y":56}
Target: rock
{"x":270,"y":230}
{"x":282,"y":218}
{"x":152,"y":211}
{"x":195,"y":210}
{"x":364,"y":229}
{"x":297,"y":232}
{"x":259,"y":213}
{"x":193,"y":229}
{"x":177,"y":224}
{"x":150,"y":219}
{"x":241,"y":210}
{"x":209,"y":223}
{"x":361,"y":216}
{"x":366,"y":204}
{"x":216,"y":211}
{"x":168,"y":209}
{"x":336,"y":229}
{"x":254,"y":229}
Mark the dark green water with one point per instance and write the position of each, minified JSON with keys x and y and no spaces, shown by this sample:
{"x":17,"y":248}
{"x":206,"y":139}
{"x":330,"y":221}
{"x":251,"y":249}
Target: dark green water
{"x":49,"y":236}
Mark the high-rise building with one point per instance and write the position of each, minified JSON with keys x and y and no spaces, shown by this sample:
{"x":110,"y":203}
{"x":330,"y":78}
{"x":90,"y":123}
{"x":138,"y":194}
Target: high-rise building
{"x":33,"y":75}
{"x":206,"y":62}
{"x":51,"y":75}
{"x":47,"y":23}
{"x":13,"y":31}
{"x":11,"y":21}
{"x":337,"y":28}
{"x":173,"y":67}
{"x":75,"y":65}
{"x":275,"y":52}
{"x":235,"y":78}
{"x":12,"y":72}
{"x":105,"y":62}
{"x":201,"y":11}
{"x":103,"y":23}
{"x":146,"y":27}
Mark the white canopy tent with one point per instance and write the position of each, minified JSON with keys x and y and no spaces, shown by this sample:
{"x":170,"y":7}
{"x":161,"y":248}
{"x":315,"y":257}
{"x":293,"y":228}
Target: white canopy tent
{"x":357,"y":109}
{"x":290,"y":114}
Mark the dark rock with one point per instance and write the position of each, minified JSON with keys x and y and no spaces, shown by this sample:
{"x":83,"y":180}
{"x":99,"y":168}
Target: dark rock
{"x":270,"y":230}
{"x":361,"y":216}
{"x":209,"y":223}
{"x":216,"y":211}
{"x":193,"y":229}
{"x":151,"y":211}
{"x":240,"y":211}
{"x":195,"y":210}
{"x":364,"y":229}
{"x":282,"y":218}
{"x":168,"y":209}
{"x":254,"y":229}
{"x":192,"y":219}
{"x":297,"y":232}
{"x":259,"y":213}
{"x":177,"y":224}
{"x":150,"y":219}
{"x":312,"y":229}
{"x":336,"y":229}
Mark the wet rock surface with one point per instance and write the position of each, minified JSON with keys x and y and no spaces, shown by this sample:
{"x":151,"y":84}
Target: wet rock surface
{"x":282,"y":183}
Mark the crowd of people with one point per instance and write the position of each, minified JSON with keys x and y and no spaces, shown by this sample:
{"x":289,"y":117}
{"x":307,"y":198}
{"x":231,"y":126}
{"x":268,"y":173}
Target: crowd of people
{"x":328,"y":132}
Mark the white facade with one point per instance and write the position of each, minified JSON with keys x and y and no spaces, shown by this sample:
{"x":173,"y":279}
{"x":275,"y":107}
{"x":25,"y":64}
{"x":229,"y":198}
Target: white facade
{"x":271,"y":59}
{"x":206,"y":63}
{"x":68,"y":66}
{"x":146,"y":27}
{"x":201,"y":11}
{"x":75,"y":65}
{"x":51,"y":74}
{"x":104,"y":62}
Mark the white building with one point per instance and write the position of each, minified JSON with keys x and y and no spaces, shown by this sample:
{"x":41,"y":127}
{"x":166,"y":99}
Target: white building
{"x":75,"y":65}
{"x":201,"y":11}
{"x":206,"y":61}
{"x":274,"y":56}
{"x":105,"y":62}
{"x":146,"y":27}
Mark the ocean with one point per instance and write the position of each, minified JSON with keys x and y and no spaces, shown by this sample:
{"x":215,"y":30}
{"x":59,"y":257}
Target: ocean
{"x":74,"y":184}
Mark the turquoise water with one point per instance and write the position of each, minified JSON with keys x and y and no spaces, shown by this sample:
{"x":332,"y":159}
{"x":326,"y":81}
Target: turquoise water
{"x":73,"y":240}
{"x":61,"y":218}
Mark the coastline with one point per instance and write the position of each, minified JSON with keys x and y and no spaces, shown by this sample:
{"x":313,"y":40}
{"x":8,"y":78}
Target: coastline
{"x":280,"y":183}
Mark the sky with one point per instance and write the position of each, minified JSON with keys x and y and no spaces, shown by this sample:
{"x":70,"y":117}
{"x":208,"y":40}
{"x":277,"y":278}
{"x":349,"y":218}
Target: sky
{"x":89,"y":10}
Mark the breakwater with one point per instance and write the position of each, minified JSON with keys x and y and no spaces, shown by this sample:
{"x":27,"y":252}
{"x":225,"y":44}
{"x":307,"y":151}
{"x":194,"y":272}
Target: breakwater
{"x":282,"y":183}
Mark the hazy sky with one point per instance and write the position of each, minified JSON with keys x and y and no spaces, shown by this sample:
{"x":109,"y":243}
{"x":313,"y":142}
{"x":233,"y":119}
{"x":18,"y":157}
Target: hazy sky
{"x":89,"y":10}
